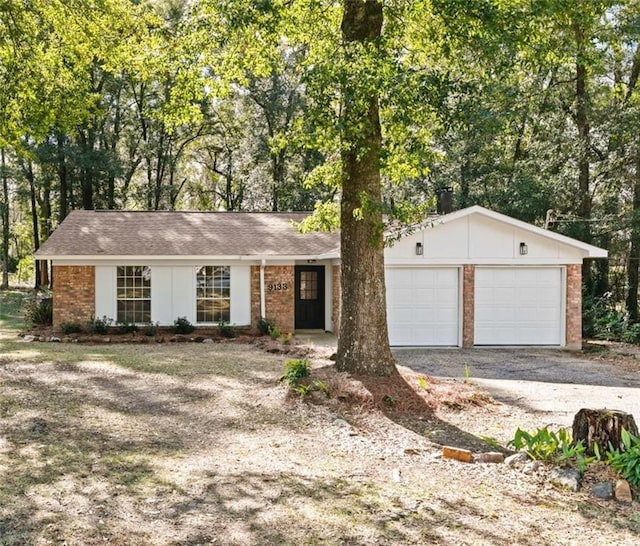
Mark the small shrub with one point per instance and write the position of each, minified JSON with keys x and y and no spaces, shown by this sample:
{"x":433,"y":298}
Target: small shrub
{"x":274,"y":332}
{"x":150,"y":329}
{"x":632,"y":334}
{"x":627,"y":461}
{"x":295,"y":370}
{"x":226,"y":330}
{"x":39,"y":310}
{"x":556,"y":447}
{"x":264,"y":325}
{"x":99,"y":326}
{"x":70,"y":328}
{"x":303,"y":390}
{"x":182,"y":326}
{"x":127,"y":327}
{"x":544,"y":444}
{"x":322,"y":386}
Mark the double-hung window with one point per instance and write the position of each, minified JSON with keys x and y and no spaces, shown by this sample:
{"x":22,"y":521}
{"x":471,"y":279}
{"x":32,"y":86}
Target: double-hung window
{"x":134,"y":294}
{"x":213,"y":293}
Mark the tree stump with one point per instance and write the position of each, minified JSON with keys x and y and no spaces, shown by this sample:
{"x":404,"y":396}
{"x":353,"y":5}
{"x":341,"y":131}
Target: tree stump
{"x":602,"y":427}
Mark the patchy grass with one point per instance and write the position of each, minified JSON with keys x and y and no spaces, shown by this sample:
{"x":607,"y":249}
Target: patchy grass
{"x":11,"y":311}
{"x":200,"y":444}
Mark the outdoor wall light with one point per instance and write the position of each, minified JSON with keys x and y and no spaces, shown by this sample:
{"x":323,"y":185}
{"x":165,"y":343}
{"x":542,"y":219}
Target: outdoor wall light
{"x":524,"y":249}
{"x":419,"y":249}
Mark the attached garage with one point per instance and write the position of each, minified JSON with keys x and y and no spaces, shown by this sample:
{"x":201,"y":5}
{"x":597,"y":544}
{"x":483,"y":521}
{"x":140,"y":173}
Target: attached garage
{"x":519,"y":306}
{"x":476,"y":277}
{"x":422,"y":306}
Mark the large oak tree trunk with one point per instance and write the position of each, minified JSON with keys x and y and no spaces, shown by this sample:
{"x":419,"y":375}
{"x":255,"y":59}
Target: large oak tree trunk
{"x":363,"y":345}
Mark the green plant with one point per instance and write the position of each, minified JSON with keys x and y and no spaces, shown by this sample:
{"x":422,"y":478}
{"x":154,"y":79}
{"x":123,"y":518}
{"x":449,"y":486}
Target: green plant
{"x":127,"y":327}
{"x":491,"y":441}
{"x":99,"y":326}
{"x":389,"y":400}
{"x":226,"y":330}
{"x":544,"y":444}
{"x":150,"y":329}
{"x":322,"y":386}
{"x":39,"y":310}
{"x":70,"y":328}
{"x":303,"y":390}
{"x":422,"y":382}
{"x":296,"y":369}
{"x":182,"y":326}
{"x":274,"y":332}
{"x":264,"y":325}
{"x":626,"y":461}
{"x":632,"y":334}
{"x":467,"y":373}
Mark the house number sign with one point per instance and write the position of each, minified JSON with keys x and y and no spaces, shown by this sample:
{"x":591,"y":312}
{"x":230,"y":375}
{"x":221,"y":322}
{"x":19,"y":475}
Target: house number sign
{"x":277,"y":286}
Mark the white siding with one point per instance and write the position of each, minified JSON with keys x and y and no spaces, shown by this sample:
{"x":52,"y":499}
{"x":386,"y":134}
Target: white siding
{"x":183,"y":293}
{"x":106,"y":292}
{"x":240,"y":295}
{"x":161,"y":305}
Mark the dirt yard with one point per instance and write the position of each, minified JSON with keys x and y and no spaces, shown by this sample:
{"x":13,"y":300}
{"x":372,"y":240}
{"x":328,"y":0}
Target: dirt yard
{"x":187,"y":444}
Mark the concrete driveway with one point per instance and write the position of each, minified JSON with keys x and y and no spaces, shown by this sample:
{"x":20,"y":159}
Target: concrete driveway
{"x":547,"y":381}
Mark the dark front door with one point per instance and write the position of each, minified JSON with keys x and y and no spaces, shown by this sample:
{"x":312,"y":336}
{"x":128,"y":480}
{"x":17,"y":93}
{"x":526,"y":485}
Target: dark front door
{"x":309,"y":297}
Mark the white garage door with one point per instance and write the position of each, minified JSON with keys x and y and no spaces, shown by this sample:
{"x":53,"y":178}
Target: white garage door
{"x":422,"y":306}
{"x":518,"y":306}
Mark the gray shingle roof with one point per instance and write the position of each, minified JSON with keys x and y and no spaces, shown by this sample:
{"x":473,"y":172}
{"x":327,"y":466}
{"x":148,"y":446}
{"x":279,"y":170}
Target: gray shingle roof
{"x":159,"y":233}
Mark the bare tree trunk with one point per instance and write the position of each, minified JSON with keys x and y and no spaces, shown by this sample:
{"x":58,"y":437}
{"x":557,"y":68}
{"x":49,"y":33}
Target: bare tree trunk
{"x":28,"y":171}
{"x":5,"y":221}
{"x":62,"y":179}
{"x":584,"y":166}
{"x":634,"y":254}
{"x":363,"y":345}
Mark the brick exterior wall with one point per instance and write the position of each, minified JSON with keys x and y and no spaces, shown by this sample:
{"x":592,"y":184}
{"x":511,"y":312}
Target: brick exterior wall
{"x":574,"y":307}
{"x":74,"y":294}
{"x":280,"y":304}
{"x":468,"y":305}
{"x":335,"y":299}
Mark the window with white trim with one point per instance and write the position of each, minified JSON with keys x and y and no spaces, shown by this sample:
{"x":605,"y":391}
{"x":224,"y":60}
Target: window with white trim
{"x":133,"y":294}
{"x":213,"y":293}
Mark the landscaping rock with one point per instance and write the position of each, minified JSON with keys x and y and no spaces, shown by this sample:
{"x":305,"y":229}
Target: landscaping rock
{"x":517,"y":459}
{"x":623,"y":491}
{"x":602,"y":490}
{"x":531,"y":468}
{"x":565,"y":478}
{"x":489,"y":457}
{"x":463,"y":455}
{"x":208,"y":340}
{"x":28,"y":338}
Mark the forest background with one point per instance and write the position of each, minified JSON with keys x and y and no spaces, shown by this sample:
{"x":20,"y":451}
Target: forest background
{"x":531,"y":109}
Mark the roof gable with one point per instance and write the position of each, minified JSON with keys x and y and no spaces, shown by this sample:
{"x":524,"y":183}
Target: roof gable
{"x":587,"y":250}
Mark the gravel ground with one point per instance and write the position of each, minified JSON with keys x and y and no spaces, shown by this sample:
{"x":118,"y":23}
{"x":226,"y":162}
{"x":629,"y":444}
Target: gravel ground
{"x":551,"y":383}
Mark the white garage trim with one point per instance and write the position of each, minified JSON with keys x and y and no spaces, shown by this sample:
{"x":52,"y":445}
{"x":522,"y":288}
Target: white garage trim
{"x":519,"y":306}
{"x":423,"y":306}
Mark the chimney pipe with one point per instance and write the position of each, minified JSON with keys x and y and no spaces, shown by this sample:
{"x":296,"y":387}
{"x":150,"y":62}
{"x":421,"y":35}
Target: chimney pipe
{"x":444,"y":200}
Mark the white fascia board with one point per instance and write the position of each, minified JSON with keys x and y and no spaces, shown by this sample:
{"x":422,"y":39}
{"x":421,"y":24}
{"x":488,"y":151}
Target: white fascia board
{"x":589,"y":250}
{"x":454,"y":262}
